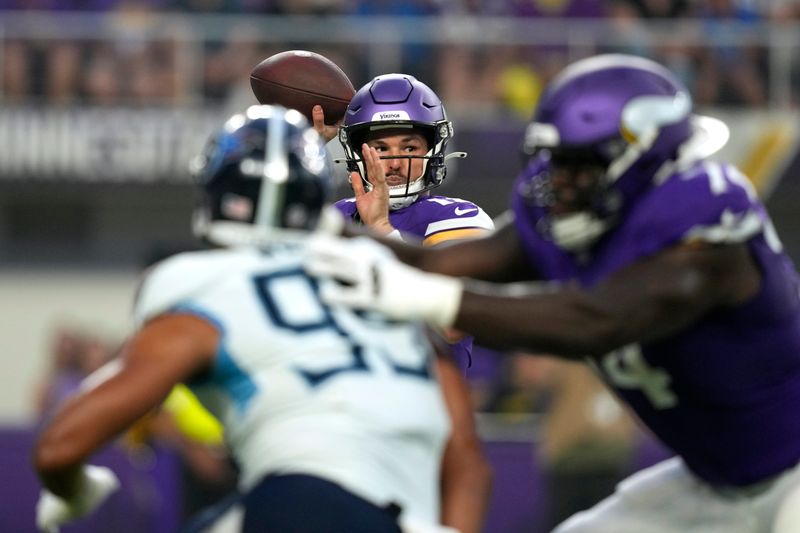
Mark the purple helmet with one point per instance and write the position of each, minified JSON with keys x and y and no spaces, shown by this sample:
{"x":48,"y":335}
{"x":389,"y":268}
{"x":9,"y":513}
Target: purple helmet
{"x":627,"y":115}
{"x":398,"y":100}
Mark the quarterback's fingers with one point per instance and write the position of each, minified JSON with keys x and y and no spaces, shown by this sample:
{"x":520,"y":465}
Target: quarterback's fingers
{"x":372,"y":160}
{"x":318,"y":115}
{"x":357,"y":184}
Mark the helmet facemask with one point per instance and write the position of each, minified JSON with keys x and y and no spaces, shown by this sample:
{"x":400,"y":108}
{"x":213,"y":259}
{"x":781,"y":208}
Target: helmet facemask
{"x":433,"y":168}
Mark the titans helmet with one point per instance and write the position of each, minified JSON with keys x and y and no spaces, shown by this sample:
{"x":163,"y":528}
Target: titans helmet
{"x":398,"y":101}
{"x":266,"y":169}
{"x":626,"y":114}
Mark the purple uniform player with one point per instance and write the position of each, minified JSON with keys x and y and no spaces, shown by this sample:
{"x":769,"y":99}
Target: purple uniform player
{"x":740,"y":374}
{"x":662,"y":269}
{"x":404,"y":120}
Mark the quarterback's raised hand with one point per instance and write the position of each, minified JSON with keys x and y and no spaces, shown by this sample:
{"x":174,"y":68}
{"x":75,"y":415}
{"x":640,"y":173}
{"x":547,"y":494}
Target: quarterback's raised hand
{"x":325,"y":131}
{"x":95,"y":485}
{"x":362,"y":274}
{"x":372,"y":201}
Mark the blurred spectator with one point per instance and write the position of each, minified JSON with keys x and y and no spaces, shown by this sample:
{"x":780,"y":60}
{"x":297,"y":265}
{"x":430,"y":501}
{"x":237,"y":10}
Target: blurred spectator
{"x":784,"y":10}
{"x":520,"y":84}
{"x":662,"y":9}
{"x":632,"y":37}
{"x":205,"y":6}
{"x":733,"y":71}
{"x":143,"y":69}
{"x":311,"y":7}
{"x":418,"y":59}
{"x":50,"y":68}
{"x":228,"y":64}
{"x":573,"y":8}
{"x":468,"y":76}
{"x":518,"y":388}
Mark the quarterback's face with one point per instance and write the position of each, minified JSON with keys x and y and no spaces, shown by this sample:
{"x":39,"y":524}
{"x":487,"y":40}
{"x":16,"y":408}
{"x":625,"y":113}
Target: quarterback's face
{"x":395,"y":145}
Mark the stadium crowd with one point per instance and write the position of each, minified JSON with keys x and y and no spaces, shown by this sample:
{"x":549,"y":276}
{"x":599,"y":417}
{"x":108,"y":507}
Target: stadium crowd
{"x":146,"y":64}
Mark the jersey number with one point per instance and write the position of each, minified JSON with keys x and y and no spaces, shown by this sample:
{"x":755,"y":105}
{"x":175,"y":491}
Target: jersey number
{"x":282,"y":293}
{"x":627,"y":369}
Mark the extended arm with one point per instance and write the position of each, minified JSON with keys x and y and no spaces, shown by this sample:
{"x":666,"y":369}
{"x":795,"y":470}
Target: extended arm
{"x":496,"y":257}
{"x":645,"y":301}
{"x":166,"y":351}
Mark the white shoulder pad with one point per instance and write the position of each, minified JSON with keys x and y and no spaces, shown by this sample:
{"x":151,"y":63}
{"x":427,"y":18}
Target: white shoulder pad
{"x":175,"y":280}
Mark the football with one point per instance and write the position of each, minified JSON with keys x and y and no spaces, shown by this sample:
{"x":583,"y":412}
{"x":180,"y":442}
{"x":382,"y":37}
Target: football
{"x":300,"y":79}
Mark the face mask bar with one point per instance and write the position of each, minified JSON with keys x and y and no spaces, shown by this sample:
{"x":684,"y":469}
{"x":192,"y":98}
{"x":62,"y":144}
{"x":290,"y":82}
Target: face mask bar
{"x":433,"y":183}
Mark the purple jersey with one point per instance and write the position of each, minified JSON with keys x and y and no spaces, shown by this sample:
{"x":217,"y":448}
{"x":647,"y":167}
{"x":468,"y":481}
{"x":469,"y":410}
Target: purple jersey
{"x":724,"y":394}
{"x":433,"y":220}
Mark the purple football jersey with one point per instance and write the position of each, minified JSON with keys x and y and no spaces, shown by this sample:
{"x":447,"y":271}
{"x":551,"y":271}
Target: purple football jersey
{"x":433,"y":220}
{"x":724,"y":394}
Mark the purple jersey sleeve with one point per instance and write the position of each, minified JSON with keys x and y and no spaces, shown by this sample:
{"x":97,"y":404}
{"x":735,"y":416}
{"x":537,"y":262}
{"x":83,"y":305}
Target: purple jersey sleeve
{"x":433,"y":220}
{"x":723,"y":393}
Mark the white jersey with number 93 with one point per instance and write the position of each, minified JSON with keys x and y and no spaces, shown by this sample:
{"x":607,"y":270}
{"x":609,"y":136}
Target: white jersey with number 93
{"x":303,"y":388}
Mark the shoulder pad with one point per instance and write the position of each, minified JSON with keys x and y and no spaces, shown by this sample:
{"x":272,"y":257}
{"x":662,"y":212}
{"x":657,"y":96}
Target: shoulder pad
{"x":176,"y":280}
{"x":709,"y":202}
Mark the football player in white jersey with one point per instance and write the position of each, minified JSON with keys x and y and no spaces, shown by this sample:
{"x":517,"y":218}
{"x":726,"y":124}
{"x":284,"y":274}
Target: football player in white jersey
{"x":336,"y":418}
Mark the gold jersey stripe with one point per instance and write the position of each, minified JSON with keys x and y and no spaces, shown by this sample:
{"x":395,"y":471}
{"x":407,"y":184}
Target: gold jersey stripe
{"x":454,"y":234}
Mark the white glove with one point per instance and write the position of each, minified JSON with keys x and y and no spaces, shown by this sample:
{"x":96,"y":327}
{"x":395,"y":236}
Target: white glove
{"x":370,"y":277}
{"x":97,"y":484}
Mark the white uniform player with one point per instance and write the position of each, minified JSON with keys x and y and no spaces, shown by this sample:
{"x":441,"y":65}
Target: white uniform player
{"x":302,"y":388}
{"x":336,"y":418}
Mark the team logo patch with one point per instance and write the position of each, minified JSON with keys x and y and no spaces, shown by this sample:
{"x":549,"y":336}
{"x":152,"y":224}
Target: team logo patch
{"x":390,"y":115}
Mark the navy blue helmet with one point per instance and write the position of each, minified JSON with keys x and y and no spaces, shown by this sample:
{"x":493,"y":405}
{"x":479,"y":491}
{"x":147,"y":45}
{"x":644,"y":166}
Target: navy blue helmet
{"x":266,"y":169}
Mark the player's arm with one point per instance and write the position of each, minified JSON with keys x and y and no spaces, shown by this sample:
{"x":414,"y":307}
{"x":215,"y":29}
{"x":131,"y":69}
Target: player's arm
{"x":167,"y":350}
{"x":645,"y":301}
{"x":466,"y":479}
